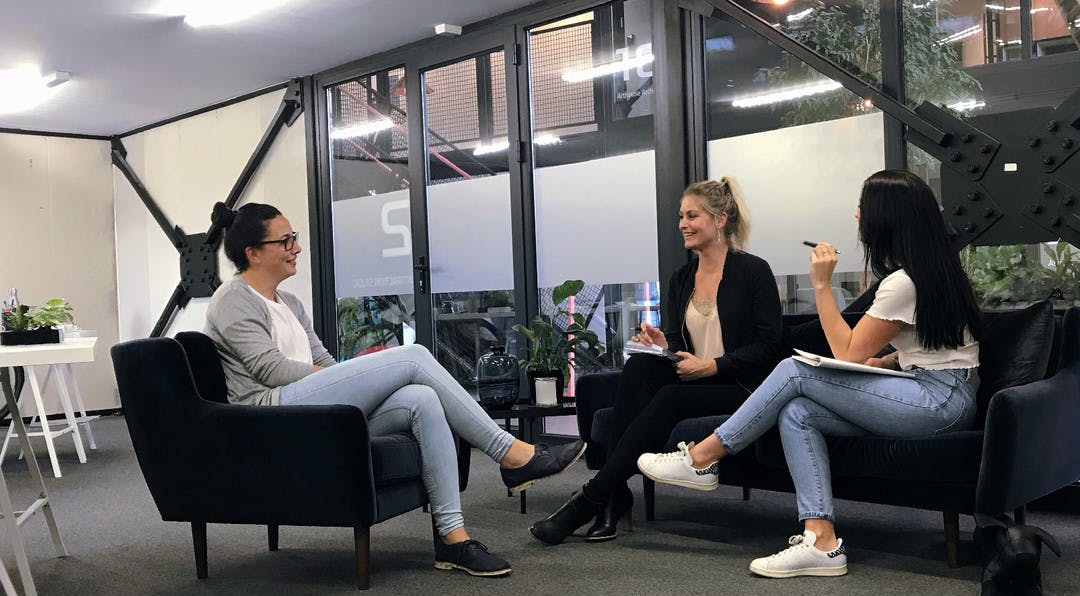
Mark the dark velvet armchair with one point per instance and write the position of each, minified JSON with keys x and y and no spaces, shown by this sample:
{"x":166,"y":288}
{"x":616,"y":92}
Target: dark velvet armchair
{"x":208,"y":461}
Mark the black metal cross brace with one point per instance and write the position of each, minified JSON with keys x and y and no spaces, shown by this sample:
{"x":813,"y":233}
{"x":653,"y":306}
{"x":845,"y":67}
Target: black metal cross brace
{"x":1016,"y":172}
{"x":198,"y":252}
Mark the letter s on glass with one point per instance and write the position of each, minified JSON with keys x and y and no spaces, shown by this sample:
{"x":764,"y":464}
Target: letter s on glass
{"x":396,"y":230}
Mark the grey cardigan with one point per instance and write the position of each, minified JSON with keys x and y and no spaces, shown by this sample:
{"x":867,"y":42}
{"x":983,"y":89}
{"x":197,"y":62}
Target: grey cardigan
{"x":255,"y":370}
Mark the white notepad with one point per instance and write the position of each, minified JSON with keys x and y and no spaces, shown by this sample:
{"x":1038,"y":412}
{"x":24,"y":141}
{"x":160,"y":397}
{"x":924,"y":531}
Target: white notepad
{"x":815,"y":360}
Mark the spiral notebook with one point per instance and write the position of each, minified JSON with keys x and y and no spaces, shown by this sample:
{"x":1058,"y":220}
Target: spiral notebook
{"x":822,"y":361}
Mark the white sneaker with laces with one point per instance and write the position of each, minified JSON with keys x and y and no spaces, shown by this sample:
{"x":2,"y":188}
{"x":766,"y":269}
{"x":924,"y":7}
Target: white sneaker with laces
{"x":678,"y":468}
{"x":803,"y":558}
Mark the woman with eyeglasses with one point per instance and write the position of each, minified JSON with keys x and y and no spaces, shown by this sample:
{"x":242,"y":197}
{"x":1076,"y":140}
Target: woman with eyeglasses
{"x":271,"y":356}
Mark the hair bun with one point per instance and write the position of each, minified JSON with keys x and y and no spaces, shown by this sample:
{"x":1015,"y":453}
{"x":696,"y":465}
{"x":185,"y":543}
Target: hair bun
{"x":222,"y":215}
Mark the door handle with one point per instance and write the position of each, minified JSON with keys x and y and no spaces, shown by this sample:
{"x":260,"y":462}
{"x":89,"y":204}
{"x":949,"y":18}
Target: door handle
{"x":421,"y":270}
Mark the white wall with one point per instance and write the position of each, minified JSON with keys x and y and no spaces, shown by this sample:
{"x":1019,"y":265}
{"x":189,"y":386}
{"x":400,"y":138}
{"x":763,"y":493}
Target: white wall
{"x":803,"y":183}
{"x":56,"y":217}
{"x":187,"y":166}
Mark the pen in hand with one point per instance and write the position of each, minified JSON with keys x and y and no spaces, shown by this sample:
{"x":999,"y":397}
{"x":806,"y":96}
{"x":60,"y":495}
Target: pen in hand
{"x":813,"y":245}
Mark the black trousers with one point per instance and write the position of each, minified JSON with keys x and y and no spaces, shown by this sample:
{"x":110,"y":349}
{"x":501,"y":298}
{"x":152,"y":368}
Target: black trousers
{"x":651,"y":400}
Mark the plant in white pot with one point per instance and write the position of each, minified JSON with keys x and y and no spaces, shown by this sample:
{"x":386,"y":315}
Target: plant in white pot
{"x":550,"y":345}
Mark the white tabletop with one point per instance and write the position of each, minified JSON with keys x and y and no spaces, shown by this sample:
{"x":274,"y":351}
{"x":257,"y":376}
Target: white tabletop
{"x":76,"y":349}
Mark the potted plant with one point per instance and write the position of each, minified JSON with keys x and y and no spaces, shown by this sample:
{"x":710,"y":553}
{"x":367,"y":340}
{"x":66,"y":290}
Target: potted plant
{"x":550,"y":345}
{"x":25,"y":325}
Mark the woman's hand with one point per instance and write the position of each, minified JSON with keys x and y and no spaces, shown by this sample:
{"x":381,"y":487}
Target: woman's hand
{"x":822,"y":264}
{"x":650,"y":336}
{"x":691,"y":367}
{"x":890,"y":361}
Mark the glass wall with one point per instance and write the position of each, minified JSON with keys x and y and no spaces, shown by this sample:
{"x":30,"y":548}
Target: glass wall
{"x":798,"y":143}
{"x":468,"y":207}
{"x":369,"y":180}
{"x":590,"y":93}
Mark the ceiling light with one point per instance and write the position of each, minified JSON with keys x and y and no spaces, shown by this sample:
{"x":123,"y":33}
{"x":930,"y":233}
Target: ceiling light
{"x":492,"y":148}
{"x":24,"y":88}
{"x":211,"y":13}
{"x":966,"y":105}
{"x":577,"y":76}
{"x":786,"y":94}
{"x":361,"y":130}
{"x":802,"y":14}
{"x":966,"y":33}
{"x":547,"y":139}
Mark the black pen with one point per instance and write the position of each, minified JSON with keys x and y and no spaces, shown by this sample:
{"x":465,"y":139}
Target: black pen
{"x":813,"y":245}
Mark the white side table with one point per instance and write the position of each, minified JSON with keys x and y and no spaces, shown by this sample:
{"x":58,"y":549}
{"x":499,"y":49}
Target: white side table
{"x":13,"y":519}
{"x":58,"y":357}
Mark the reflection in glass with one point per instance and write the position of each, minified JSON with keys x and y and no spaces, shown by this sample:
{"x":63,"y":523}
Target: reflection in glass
{"x":369,"y":189}
{"x":800,"y":158}
{"x":590,"y":86}
{"x":468,"y":203}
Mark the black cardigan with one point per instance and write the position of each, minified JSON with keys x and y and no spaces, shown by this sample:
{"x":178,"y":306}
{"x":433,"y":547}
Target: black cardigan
{"x":748,"y":305}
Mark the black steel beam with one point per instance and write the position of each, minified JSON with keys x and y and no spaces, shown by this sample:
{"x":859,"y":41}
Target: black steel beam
{"x":892,"y":80}
{"x":287,"y":112}
{"x":119,"y":159}
{"x":177,"y":300}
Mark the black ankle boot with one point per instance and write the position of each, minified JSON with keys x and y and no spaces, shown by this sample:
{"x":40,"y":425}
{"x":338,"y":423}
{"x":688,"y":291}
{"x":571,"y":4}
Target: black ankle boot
{"x":616,"y":508}
{"x":575,"y":513}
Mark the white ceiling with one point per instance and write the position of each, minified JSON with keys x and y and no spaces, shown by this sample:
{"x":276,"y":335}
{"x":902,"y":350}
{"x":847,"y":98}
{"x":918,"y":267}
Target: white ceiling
{"x":130,"y":67}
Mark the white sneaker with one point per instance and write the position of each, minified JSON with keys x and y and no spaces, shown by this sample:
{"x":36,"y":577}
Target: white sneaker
{"x":678,"y":468}
{"x":803,"y":558}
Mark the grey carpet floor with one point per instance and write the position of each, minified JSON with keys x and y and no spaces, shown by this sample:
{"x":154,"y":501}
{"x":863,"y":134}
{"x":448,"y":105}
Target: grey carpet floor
{"x":700,"y":543}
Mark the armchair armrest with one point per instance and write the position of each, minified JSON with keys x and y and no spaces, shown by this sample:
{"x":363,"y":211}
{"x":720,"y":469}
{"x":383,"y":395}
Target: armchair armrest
{"x":1029,"y":443}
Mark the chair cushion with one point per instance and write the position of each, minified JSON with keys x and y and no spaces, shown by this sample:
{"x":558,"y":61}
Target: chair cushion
{"x":394,"y":458}
{"x":1015,"y":349}
{"x":948,"y":458}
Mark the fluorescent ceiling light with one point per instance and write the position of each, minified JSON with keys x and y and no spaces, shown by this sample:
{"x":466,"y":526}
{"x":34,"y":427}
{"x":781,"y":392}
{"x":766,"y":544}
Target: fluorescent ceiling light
{"x":211,"y":13}
{"x":23,"y":88}
{"x":967,"y":105}
{"x":966,"y":33}
{"x":577,"y":76}
{"x":495,"y":147}
{"x":802,"y":14}
{"x":361,"y":130}
{"x":547,"y":139}
{"x":786,"y":94}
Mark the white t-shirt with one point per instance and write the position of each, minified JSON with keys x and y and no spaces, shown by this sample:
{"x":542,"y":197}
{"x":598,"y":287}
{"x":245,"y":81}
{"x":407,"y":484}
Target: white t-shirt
{"x":895,"y":301}
{"x":287,"y":332}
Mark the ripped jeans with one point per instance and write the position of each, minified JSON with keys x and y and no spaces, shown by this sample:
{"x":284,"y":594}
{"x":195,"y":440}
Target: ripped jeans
{"x":809,"y":403}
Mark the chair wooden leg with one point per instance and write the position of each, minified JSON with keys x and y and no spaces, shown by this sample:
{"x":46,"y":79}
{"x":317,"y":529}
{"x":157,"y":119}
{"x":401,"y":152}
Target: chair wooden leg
{"x":272,"y":537}
{"x":952,"y":538}
{"x":362,"y":537}
{"x":746,"y":493}
{"x":198,"y":538}
{"x":649,"y":487}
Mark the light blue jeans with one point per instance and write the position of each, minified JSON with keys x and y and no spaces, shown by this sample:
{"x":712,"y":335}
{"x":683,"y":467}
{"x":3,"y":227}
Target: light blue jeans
{"x":809,"y":402}
{"x":404,"y":389}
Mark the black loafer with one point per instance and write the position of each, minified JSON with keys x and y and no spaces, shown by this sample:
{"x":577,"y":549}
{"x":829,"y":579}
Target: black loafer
{"x":470,"y":556}
{"x":547,"y":461}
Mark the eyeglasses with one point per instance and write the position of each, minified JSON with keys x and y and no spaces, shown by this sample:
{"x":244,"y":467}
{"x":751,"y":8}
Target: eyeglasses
{"x":287,"y":243}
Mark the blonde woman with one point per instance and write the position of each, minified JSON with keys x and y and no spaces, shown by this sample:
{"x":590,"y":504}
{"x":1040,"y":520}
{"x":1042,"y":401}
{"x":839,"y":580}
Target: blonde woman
{"x":722,"y":316}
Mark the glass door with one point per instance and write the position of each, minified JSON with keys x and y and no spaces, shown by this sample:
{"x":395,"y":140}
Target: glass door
{"x":369,"y":173}
{"x":468,"y":211}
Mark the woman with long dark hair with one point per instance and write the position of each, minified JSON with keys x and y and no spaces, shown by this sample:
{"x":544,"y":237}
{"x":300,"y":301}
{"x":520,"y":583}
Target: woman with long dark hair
{"x":924,"y":307}
{"x":271,"y":356}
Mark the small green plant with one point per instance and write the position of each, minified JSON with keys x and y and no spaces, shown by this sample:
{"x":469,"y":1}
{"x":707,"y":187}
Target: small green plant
{"x":550,"y":346}
{"x":1001,"y":275}
{"x":27,"y":318}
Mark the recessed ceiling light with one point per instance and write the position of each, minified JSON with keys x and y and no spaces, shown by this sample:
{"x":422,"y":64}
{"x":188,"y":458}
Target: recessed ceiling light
{"x":24,"y":88}
{"x":215,"y":13}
